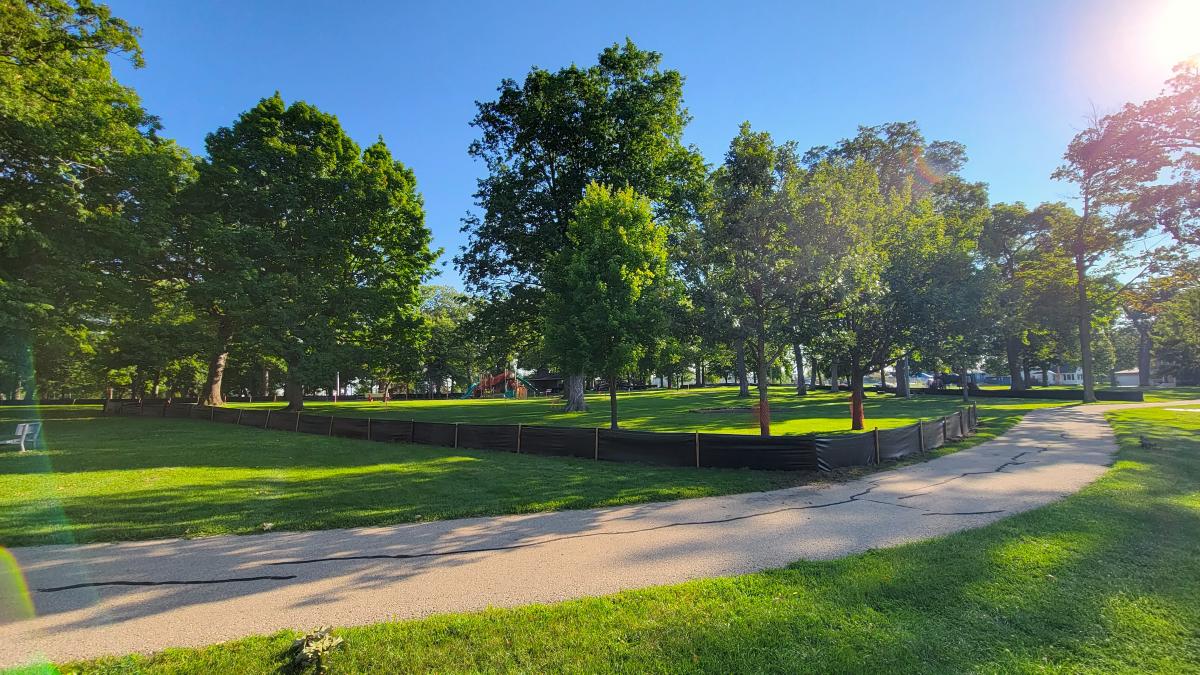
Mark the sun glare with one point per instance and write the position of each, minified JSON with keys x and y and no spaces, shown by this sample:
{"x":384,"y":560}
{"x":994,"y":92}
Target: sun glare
{"x":1175,"y":33}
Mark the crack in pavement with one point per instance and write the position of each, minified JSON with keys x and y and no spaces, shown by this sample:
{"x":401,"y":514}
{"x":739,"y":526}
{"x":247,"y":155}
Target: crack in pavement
{"x":857,"y":497}
{"x":194,"y":582}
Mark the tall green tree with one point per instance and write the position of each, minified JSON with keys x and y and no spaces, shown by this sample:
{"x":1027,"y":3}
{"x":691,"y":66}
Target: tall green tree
{"x":604,"y":305}
{"x":1156,"y":144}
{"x":306,"y":239}
{"x":1177,"y":337}
{"x":85,"y":178}
{"x":748,"y":234}
{"x":543,"y":140}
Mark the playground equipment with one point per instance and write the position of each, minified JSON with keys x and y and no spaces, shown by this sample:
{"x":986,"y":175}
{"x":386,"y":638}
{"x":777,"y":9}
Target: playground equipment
{"x":507,"y":383}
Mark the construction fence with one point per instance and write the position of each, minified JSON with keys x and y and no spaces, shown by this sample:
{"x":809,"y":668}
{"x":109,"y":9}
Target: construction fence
{"x":697,"y":449}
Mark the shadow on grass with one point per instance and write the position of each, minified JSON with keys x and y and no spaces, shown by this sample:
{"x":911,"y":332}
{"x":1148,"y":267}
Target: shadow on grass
{"x":1103,"y":581}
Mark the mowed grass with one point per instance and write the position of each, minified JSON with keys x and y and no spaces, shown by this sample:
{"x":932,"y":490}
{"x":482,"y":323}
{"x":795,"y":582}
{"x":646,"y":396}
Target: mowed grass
{"x":121,"y":479}
{"x":1107,"y":580}
{"x":118,"y":479}
{"x":709,"y":410}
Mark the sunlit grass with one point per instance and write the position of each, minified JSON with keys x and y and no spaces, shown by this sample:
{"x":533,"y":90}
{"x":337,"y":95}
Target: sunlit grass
{"x":1104,"y":581}
{"x":711,"y":410}
{"x":117,"y":479}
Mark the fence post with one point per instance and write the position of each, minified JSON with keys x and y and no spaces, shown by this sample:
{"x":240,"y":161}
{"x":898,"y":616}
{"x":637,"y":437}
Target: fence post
{"x":518,"y":438}
{"x":697,"y":449}
{"x":239,"y":419}
{"x":267,"y":424}
{"x":944,"y":430}
{"x":296,"y":427}
{"x":876,"y":434}
{"x":456,"y":434}
{"x":330,"y":426}
{"x":962,"y":428}
{"x":369,"y":436}
{"x":596,"y":444}
{"x":212,"y":412}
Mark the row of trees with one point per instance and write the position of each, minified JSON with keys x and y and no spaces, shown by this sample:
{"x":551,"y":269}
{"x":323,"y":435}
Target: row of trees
{"x":128,"y":261}
{"x":603,"y":246}
{"x":870,"y":253}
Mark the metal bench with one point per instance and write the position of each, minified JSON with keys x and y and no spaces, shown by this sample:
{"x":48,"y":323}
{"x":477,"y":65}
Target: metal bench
{"x":26,"y":432}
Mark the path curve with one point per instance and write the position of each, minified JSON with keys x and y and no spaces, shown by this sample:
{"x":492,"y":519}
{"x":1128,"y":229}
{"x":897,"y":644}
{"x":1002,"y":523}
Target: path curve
{"x":103,"y":599}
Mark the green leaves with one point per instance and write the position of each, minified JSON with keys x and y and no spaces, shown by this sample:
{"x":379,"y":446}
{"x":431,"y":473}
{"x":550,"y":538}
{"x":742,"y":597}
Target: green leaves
{"x":604,"y":302}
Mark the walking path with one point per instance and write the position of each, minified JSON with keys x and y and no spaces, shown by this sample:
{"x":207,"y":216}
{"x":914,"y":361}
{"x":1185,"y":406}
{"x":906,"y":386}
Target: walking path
{"x":101,"y":599}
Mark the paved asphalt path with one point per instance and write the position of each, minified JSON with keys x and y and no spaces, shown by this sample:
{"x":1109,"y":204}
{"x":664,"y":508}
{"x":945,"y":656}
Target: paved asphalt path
{"x":101,"y":599}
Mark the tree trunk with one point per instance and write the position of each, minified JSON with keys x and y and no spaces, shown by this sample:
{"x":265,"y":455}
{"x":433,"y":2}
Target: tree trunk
{"x":801,"y":383}
{"x":883,"y":376}
{"x":211,"y":394}
{"x":1143,"y":359}
{"x":902,"y":377}
{"x":1085,"y":330}
{"x":764,"y":405}
{"x":294,"y":391}
{"x":1028,"y":372}
{"x":833,"y":377}
{"x":699,"y":373}
{"x":574,"y":391}
{"x":1045,"y":375}
{"x":1012,"y":352}
{"x":266,"y":382}
{"x":858,"y":417}
{"x":815,"y":369}
{"x":739,"y":346}
{"x":612,"y":402}
{"x":962,"y":378}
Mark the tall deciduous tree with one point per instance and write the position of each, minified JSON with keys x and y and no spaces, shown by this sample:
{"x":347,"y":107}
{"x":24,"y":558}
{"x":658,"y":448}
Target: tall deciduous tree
{"x":748,"y":233}
{"x":604,"y":305}
{"x":307,"y":239}
{"x":543,"y":140}
{"x":84,"y":178}
{"x":1157,"y":145}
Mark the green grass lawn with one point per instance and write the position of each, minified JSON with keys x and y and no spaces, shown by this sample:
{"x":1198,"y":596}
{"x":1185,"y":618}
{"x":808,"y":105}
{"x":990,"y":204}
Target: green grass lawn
{"x":1107,"y":580}
{"x":711,"y":410}
{"x":120,"y":479}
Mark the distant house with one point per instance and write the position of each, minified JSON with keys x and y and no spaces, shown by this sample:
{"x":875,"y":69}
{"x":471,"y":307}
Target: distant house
{"x":1132,"y":377}
{"x":1066,"y":377}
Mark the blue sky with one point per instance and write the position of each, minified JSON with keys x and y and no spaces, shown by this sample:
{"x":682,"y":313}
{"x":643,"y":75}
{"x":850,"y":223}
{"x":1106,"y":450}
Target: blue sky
{"x":1013,"y":80}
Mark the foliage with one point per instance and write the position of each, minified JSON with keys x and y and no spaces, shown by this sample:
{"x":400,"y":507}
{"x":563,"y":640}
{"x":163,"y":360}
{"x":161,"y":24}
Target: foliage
{"x":1177,"y":337}
{"x":543,"y":140}
{"x":603,"y":307}
{"x":321,"y":254}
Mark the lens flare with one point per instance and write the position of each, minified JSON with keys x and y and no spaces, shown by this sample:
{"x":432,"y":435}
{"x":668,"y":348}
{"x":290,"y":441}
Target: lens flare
{"x":15,"y":602}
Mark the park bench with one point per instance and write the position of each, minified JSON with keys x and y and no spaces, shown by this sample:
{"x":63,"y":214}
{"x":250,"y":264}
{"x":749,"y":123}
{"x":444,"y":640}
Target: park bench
{"x":26,"y":432}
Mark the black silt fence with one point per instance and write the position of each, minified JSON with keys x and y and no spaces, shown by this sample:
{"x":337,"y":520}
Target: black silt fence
{"x":790,"y":453}
{"x":392,"y":431}
{"x":313,"y":424}
{"x":953,"y":427}
{"x":502,"y":437}
{"x":254,"y":418}
{"x":179,"y":410}
{"x":739,"y":451}
{"x":1051,"y":394}
{"x":227,"y":415}
{"x":352,"y":427}
{"x":433,"y":433}
{"x":835,"y":452}
{"x":646,"y":447}
{"x":282,"y":421}
{"x":558,"y":441}
{"x":932,"y":435}
{"x":898,"y":443}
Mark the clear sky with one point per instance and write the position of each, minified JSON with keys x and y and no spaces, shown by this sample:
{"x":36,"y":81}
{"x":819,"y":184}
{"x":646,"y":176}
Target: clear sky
{"x":1013,"y":80}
